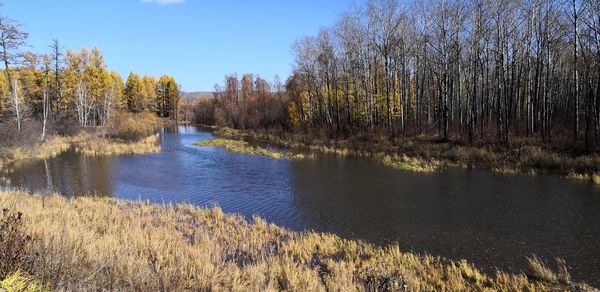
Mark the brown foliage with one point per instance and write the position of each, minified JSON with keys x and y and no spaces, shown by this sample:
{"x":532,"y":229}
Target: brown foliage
{"x":13,"y":242}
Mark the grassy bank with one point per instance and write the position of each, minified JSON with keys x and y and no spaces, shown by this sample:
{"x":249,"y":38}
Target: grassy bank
{"x":100,"y":243}
{"x":127,"y":133}
{"x":427,"y":155}
{"x":84,"y":142}
{"x":240,"y":146}
{"x":51,"y":147}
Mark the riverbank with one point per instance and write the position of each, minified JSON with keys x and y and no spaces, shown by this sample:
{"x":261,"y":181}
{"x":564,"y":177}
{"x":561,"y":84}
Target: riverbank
{"x":426,"y":155}
{"x":95,"y":243}
{"x":83,"y":142}
{"x":127,"y":133}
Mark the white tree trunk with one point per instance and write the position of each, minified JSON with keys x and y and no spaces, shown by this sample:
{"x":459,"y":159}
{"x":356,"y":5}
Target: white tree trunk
{"x":46,"y":109}
{"x":16,"y":103}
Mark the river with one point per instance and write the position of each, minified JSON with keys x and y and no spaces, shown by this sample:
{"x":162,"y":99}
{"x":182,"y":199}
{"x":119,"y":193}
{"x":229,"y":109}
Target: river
{"x":489,"y":219}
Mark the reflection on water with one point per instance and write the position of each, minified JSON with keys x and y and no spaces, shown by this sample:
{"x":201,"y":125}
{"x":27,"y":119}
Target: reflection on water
{"x":486,"y":218}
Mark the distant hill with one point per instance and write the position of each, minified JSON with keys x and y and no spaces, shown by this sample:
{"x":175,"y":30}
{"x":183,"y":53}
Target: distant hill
{"x":196,"y":95}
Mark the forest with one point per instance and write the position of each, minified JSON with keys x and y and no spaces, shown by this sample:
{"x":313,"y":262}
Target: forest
{"x":71,"y":88}
{"x":475,"y":72}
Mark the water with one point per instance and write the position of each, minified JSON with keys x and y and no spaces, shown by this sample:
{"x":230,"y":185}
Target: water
{"x":491,"y":220}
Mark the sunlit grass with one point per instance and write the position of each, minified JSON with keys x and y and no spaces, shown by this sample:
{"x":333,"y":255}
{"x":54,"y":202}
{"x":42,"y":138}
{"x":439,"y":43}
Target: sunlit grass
{"x":20,"y":282}
{"x":410,"y":164}
{"x":239,"y":146}
{"x":108,"y":244}
{"x":98,"y":146}
{"x":49,"y":148}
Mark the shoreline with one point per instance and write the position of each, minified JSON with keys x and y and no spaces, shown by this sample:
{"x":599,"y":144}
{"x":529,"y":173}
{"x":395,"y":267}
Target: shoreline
{"x":83,"y":142}
{"x":426,"y":156}
{"x":108,"y":243}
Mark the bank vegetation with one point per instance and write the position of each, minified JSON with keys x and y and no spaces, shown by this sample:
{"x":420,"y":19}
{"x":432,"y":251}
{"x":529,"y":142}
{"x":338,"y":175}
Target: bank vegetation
{"x":98,"y":243}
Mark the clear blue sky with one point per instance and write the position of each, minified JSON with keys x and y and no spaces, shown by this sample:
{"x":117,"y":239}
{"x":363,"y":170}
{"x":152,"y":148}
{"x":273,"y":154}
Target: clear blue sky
{"x":196,"y":41}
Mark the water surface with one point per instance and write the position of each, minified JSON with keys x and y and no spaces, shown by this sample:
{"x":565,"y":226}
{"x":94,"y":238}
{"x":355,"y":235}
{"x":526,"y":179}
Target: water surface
{"x":489,"y":219}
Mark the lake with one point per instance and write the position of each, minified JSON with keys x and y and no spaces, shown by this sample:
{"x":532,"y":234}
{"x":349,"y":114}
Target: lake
{"x":489,"y":219}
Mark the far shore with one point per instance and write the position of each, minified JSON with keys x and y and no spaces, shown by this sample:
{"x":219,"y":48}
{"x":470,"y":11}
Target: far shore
{"x":428,"y":155}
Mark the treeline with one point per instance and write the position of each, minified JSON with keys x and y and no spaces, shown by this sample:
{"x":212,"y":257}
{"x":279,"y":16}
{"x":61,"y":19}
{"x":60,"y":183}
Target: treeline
{"x":247,"y":103}
{"x":477,"y":71}
{"x":72,"y":86}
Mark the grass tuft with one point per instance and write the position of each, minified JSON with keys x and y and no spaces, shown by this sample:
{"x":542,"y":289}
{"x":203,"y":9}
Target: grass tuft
{"x":539,"y":270}
{"x":19,"y":282}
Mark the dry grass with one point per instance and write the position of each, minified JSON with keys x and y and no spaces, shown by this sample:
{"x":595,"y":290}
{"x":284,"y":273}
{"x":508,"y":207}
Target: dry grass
{"x":51,"y":147}
{"x":411,"y":164}
{"x":108,"y":244}
{"x":86,"y":143}
{"x":98,"y":146}
{"x":239,"y":146}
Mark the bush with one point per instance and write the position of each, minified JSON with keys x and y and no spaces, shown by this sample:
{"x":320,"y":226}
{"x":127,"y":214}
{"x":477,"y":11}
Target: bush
{"x":133,"y":127}
{"x":13,"y":243}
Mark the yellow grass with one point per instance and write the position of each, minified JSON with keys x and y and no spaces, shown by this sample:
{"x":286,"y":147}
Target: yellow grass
{"x":107,"y":244}
{"x":411,"y":164}
{"x":239,"y":146}
{"x":596,"y":178}
{"x":51,"y":147}
{"x":98,"y":146}
{"x":88,"y":144}
{"x":19,"y":282}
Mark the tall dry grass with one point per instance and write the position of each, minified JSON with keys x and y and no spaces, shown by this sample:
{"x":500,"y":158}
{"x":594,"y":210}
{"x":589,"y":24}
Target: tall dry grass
{"x":93,"y":145}
{"x":107,"y":244}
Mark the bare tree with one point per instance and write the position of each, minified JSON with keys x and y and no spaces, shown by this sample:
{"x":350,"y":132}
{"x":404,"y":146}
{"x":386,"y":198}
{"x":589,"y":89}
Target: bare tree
{"x":11,"y":40}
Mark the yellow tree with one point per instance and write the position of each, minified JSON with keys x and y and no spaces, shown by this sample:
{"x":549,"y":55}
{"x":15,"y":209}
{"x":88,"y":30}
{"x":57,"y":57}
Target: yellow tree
{"x":97,"y":79}
{"x":168,"y":97}
{"x":150,"y":96}
{"x":134,"y":93}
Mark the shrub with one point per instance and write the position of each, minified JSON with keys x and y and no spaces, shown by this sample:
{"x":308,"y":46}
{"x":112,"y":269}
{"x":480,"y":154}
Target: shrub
{"x":13,"y":243}
{"x":132,"y":127}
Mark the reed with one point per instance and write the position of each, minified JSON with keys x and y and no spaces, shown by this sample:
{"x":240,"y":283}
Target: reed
{"x":99,"y":243}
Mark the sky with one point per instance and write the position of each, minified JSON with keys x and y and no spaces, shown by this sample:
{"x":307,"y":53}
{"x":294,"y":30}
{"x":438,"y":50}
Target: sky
{"x":196,"y":41}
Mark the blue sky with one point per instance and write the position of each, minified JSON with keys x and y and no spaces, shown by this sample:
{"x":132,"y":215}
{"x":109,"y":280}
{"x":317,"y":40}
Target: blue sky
{"x":196,"y":41}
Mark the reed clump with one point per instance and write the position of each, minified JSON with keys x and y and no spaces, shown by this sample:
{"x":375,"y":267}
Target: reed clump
{"x":96,"y":243}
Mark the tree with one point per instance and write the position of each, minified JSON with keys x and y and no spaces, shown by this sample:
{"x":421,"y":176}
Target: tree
{"x":45,"y":87}
{"x":11,"y":40}
{"x":168,"y":96}
{"x":56,"y":56}
{"x":134,"y":93}
{"x":150,"y":98}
